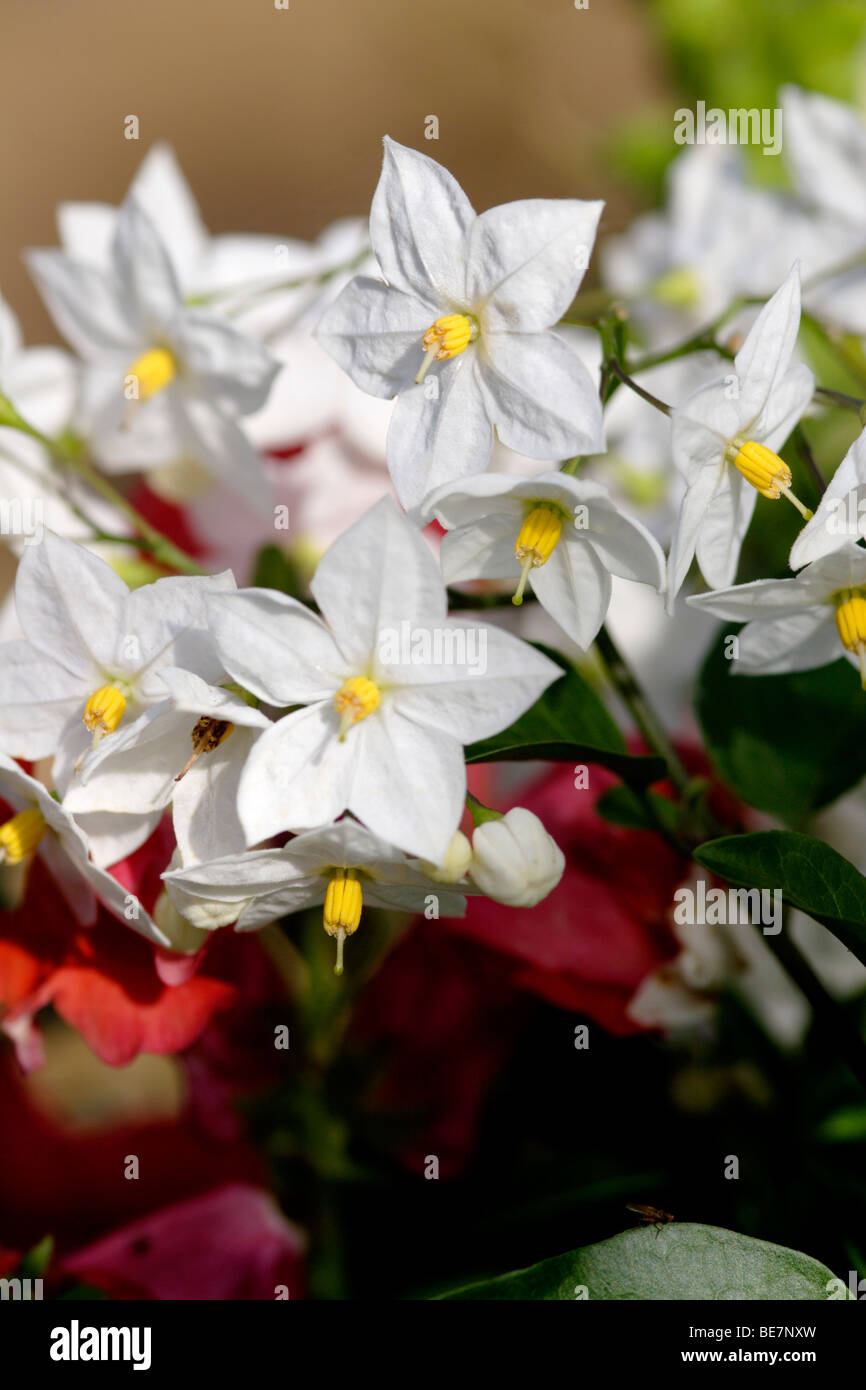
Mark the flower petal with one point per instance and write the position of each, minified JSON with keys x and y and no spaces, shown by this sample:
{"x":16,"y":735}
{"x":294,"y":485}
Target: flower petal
{"x":275,"y":647}
{"x":298,"y":774}
{"x":574,"y":587}
{"x":419,"y":226}
{"x":540,"y":396}
{"x":374,"y":332}
{"x":527,"y":259}
{"x":433,"y":439}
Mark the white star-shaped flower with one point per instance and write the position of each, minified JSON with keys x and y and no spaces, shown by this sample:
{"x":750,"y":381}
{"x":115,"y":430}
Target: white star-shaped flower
{"x":93,"y":659}
{"x":341,"y":866}
{"x":795,"y":624}
{"x":163,"y":382}
{"x":391,"y":687}
{"x":563,"y":535}
{"x":724,"y":440}
{"x":41,"y":825}
{"x":459,"y":331}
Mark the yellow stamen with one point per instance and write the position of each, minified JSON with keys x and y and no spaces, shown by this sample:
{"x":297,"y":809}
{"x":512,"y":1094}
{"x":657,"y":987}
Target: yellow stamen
{"x":20,"y":836}
{"x":342,"y":912}
{"x":447,"y":337}
{"x":851,"y":626}
{"x":153,"y":371}
{"x":103,"y":712}
{"x":766,"y":472}
{"x":536,"y":542}
{"x":206,"y":736}
{"x":354,"y":701}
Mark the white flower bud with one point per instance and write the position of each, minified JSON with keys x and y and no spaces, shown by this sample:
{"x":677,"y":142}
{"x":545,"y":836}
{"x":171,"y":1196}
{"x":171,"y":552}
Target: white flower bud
{"x":456,"y":863}
{"x":514,"y":860}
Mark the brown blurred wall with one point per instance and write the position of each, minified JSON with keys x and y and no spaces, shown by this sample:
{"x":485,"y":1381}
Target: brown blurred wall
{"x":277,"y":115}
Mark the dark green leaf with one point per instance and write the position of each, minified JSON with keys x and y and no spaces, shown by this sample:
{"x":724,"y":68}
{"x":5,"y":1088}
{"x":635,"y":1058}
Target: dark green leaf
{"x":568,"y":724}
{"x":811,"y":875}
{"x":785,"y":744}
{"x":679,"y":1261}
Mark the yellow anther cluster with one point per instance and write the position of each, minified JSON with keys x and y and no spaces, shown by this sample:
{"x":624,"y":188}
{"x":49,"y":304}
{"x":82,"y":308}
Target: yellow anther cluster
{"x":851,"y":626}
{"x":342,"y":911}
{"x":153,"y":371}
{"x":536,"y":542}
{"x":20,"y":836}
{"x":104,"y":710}
{"x":766,"y":472}
{"x":445,"y":338}
{"x":357,"y":698}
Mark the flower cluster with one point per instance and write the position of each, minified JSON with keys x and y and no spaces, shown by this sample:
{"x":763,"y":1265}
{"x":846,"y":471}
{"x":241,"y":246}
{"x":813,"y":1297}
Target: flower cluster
{"x":308,"y":736}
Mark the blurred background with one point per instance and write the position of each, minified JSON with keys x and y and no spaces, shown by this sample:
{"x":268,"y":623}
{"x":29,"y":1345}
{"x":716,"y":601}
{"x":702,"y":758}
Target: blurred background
{"x":278,"y":114}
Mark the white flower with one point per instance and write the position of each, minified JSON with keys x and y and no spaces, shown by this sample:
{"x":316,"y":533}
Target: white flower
{"x":561,"y":534}
{"x":163,"y":383}
{"x":94,"y":652}
{"x":459,"y":331}
{"x":724,"y":441}
{"x":187,"y":750}
{"x":802,"y":622}
{"x":392,"y":689}
{"x":342,"y":866}
{"x":841,"y":514}
{"x":514,"y":860}
{"x":40,"y":825}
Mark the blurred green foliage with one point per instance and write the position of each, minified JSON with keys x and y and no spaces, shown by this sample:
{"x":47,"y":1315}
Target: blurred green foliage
{"x":733,"y":53}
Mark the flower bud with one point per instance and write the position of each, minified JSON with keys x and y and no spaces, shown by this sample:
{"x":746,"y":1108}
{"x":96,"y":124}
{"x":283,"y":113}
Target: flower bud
{"x":455,"y":865}
{"x":514,"y":860}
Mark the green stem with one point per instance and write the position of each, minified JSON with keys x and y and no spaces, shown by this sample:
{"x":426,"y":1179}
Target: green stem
{"x":67,"y":456}
{"x":645,"y":717}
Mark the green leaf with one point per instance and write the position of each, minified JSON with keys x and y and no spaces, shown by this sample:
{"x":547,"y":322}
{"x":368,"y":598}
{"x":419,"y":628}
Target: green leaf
{"x":680,"y":1261}
{"x":622,"y":806}
{"x":275,"y":570}
{"x":785,"y":744}
{"x":811,"y":875}
{"x":568,"y":724}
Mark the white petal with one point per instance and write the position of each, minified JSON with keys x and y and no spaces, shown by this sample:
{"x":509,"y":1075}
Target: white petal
{"x":479,"y":679}
{"x":375,"y":333}
{"x":841,"y":514}
{"x":701,"y":428}
{"x":217,"y":443}
{"x":540,"y":396}
{"x":167,"y":625}
{"x":435,"y":438}
{"x":275,"y":647}
{"x":482,"y":549}
{"x":790,"y":398}
{"x":161,"y":189}
{"x":527,"y":259}
{"x":86,"y":305}
{"x":37,"y":698}
{"x":725,"y":523}
{"x":112,"y":836}
{"x":409,"y":783}
{"x":298,"y":774}
{"x":374,"y":576}
{"x":71,"y":604}
{"x":693,"y":510}
{"x":763,"y":359}
{"x":144,"y":270}
{"x":237,"y":369}
{"x":204,"y":804}
{"x":743,"y":601}
{"x":419,"y":226}
{"x":574,"y":587}
{"x":791,"y":642}
{"x":87,"y":231}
